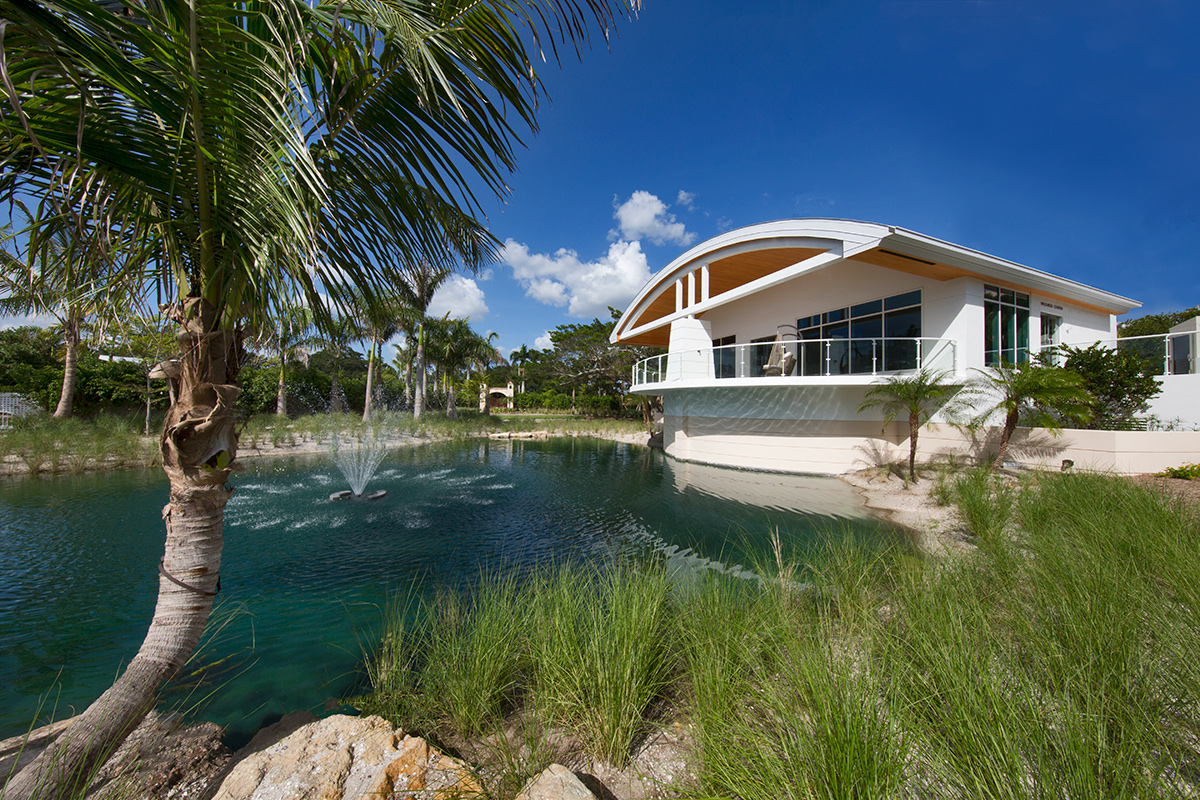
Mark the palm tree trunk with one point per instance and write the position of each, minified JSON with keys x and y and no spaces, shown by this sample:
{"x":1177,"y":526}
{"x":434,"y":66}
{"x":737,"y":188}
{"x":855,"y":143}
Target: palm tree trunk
{"x":914,"y":425}
{"x":419,"y":393}
{"x":281,"y":392}
{"x":370,"y":382}
{"x":199,"y":445}
{"x":66,"y":399}
{"x":1010,"y":425}
{"x":451,"y":408}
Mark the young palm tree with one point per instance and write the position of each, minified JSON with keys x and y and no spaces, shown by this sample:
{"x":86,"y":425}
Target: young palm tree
{"x":237,"y":138}
{"x":285,"y":335}
{"x":919,"y":396}
{"x":1041,"y":396}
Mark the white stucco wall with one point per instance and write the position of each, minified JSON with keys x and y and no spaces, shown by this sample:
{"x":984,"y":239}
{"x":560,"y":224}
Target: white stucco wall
{"x":1179,"y":400}
{"x":949,"y":309}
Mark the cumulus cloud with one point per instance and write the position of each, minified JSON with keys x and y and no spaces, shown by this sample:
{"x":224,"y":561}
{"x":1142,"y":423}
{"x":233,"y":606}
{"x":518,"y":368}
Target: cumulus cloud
{"x":686,"y":199}
{"x":543,"y":342}
{"x":644,"y":216}
{"x":586,"y":288}
{"x":459,"y":296}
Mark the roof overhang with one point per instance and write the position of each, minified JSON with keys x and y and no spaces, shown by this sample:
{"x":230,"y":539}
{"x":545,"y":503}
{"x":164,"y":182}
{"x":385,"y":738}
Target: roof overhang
{"x":750,"y":259}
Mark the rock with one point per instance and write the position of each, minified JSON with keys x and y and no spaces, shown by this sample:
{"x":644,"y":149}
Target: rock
{"x":161,"y":759}
{"x":556,"y":783}
{"x":344,"y":758}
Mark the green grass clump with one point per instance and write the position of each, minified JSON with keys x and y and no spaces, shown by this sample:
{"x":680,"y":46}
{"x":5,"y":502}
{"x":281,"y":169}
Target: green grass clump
{"x":1057,"y":659}
{"x":45,"y":444}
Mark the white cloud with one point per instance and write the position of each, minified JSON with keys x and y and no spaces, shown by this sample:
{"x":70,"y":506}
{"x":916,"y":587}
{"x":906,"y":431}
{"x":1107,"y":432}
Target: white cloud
{"x":644,"y":216}
{"x":19,"y":320}
{"x":459,"y":296}
{"x":686,"y":199}
{"x":586,"y":288}
{"x":543,"y":342}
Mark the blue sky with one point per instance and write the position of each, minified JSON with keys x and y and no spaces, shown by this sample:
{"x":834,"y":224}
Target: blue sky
{"x":1059,"y":134}
{"x":1062,"y":135}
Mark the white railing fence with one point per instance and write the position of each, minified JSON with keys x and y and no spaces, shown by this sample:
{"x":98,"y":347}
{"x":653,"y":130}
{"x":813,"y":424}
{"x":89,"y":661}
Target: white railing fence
{"x":1168,"y":354}
{"x":800,"y":358}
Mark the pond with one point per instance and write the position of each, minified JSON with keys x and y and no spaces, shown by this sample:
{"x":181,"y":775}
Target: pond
{"x":305,"y":580}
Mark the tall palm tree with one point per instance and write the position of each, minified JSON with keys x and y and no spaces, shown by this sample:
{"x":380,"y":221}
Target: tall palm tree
{"x":238,"y":138}
{"x":919,"y":396}
{"x":64,"y":277}
{"x":1041,"y":396}
{"x":424,"y":279}
{"x":454,"y":347}
{"x":284,"y":335}
{"x":519,"y":358}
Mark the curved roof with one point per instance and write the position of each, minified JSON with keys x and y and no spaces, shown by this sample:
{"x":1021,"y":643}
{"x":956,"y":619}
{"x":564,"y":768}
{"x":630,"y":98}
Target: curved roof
{"x":750,"y":259}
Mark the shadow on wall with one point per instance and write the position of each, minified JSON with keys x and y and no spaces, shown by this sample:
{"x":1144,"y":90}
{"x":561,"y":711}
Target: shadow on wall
{"x":982,"y":444}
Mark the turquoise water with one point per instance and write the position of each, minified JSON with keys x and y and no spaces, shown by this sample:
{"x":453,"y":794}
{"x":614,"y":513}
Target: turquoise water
{"x":304,"y":580}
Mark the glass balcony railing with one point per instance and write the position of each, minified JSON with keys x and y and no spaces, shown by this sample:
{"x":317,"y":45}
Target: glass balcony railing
{"x":1165,"y":354}
{"x":792,"y":358}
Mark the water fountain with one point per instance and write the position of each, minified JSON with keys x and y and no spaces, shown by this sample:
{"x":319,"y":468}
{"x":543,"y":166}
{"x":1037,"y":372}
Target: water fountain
{"x":358,"y":462}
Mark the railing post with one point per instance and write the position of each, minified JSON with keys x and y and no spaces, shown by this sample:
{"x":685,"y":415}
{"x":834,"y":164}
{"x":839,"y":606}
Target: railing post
{"x":828,"y":356}
{"x":874,"y":357}
{"x":1167,"y":354}
{"x":920,"y":354}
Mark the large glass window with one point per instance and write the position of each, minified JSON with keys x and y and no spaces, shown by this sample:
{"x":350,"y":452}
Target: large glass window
{"x":725,"y":360}
{"x":1006,"y":326}
{"x":876,"y":336}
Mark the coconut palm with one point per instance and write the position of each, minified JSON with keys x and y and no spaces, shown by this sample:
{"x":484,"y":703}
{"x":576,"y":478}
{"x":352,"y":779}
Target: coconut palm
{"x":424,"y":279}
{"x":65,"y":278}
{"x":244,"y":143}
{"x":919,"y":396}
{"x":454,"y":347}
{"x":1036,"y":394}
{"x":285,"y":335}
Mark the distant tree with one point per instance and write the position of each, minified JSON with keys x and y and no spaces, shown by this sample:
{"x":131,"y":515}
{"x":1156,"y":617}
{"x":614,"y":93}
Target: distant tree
{"x":1156,"y":324}
{"x":335,"y":335}
{"x":454,"y":348}
{"x":1119,"y":381}
{"x":1037,"y":394}
{"x":65,"y":278}
{"x":284,"y":335}
{"x":919,"y":396}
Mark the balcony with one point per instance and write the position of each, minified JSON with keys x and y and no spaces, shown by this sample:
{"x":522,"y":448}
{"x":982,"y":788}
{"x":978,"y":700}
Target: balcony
{"x":795,"y":362}
{"x":1165,"y":354}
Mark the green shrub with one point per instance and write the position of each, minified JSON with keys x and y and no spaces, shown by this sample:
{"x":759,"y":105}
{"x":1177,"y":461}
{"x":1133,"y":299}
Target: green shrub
{"x":1187,"y":472}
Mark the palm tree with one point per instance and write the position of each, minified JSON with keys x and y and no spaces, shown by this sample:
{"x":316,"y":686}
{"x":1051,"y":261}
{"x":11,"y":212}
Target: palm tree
{"x":258,"y":130}
{"x":63,"y":277}
{"x":285,"y":334}
{"x":424,"y":278}
{"x":519,"y":358}
{"x":919,"y":396}
{"x":454,"y":347}
{"x":1040,"y":395}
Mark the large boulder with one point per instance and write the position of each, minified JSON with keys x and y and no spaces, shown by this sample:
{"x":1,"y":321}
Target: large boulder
{"x":556,"y":783}
{"x":344,"y":758}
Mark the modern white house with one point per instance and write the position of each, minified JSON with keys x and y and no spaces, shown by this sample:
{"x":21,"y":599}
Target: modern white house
{"x":774,"y":333}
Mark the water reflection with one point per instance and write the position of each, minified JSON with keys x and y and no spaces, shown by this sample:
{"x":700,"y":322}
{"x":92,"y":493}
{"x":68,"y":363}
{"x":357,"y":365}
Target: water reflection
{"x":308,"y":578}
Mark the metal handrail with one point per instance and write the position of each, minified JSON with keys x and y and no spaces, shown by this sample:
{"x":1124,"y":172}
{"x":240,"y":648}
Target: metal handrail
{"x":1167,"y":341}
{"x":800,"y":358}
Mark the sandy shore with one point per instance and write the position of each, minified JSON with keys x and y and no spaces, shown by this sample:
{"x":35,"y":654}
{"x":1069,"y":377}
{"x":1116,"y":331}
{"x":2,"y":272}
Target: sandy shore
{"x":938,"y":529}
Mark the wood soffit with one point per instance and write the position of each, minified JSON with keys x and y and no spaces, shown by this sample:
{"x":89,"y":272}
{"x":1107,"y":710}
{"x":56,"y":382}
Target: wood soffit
{"x":724,"y":274}
{"x":924,"y":268}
